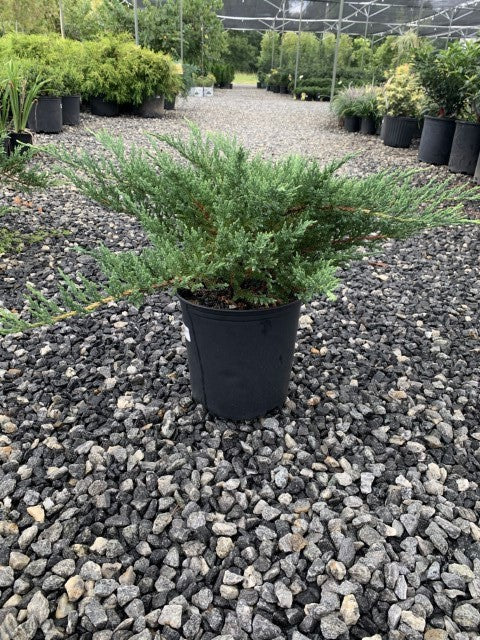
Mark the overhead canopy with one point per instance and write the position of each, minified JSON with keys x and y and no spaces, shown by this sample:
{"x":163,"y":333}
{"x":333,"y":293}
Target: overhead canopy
{"x":433,"y":18}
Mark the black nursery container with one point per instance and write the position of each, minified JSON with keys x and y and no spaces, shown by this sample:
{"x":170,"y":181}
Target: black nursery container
{"x":351,"y":124}
{"x":368,"y":126}
{"x":46,"y":115}
{"x":169,"y":105}
{"x":100,"y":107}
{"x":71,"y":110}
{"x":240,"y":361}
{"x":436,"y":140}
{"x":16,"y":141}
{"x":152,"y":108}
{"x":398,"y":131}
{"x":465,"y":148}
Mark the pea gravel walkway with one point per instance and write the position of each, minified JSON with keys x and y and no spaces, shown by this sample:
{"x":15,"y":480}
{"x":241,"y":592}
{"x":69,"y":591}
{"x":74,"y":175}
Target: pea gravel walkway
{"x":127,"y":513}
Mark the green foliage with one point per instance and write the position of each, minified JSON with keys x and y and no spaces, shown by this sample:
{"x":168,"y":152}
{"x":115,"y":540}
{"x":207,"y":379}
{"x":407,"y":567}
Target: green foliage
{"x":17,"y":96}
{"x":356,"y":101}
{"x":16,"y":170}
{"x":243,"y":50}
{"x":261,"y":232}
{"x":224,"y":73}
{"x":16,"y":241}
{"x":402,"y":94}
{"x":207,"y":80}
{"x":443,"y":77}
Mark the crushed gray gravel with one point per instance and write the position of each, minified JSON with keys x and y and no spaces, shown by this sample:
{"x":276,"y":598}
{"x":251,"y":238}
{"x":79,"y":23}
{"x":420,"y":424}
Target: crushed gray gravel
{"x":126,"y":512}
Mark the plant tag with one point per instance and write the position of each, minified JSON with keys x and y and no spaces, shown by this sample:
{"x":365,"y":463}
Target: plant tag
{"x":186,"y":332}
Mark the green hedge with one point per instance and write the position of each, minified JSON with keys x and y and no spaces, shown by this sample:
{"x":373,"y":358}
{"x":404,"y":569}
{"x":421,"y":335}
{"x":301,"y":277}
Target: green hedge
{"x":113,"y":67}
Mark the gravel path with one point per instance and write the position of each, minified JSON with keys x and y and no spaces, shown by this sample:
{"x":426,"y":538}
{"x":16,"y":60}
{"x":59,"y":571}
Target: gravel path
{"x":352,"y":513}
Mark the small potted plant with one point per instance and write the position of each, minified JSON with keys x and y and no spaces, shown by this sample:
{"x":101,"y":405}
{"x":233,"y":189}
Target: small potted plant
{"x":203,"y":85}
{"x":401,"y":101}
{"x":442,"y":77}
{"x":347,"y":107}
{"x":244,"y":241}
{"x":466,"y":140}
{"x":18,"y":95}
{"x":368,"y":111}
{"x":224,"y":74}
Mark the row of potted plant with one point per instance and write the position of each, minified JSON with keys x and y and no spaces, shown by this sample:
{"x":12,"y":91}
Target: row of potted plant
{"x":109,"y":72}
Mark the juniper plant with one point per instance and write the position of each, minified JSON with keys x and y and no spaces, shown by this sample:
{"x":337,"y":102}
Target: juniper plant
{"x":254,"y":232}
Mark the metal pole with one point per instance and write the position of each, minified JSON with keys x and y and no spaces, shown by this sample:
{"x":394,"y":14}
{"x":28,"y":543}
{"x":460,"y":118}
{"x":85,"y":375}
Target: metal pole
{"x":135,"y":20}
{"x":281,"y":37}
{"x":273,"y":46}
{"x":60,"y":10}
{"x":180,"y":11}
{"x":297,"y":60}
{"x":337,"y":47}
{"x":366,"y":32}
{"x":450,"y":28}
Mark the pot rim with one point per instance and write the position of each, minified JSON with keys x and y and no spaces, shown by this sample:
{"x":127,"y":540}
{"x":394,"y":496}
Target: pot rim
{"x":441,"y":118}
{"x":239,"y":313}
{"x":472,"y":124}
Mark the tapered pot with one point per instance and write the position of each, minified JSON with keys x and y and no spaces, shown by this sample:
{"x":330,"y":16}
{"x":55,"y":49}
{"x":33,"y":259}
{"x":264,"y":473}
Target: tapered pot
{"x":465,"y":148}
{"x":71,"y":110}
{"x":239,"y":361}
{"x":259,"y":85}
{"x":368,"y":126}
{"x":152,"y":108}
{"x":398,"y":131}
{"x":101,"y":107}
{"x":351,"y":124}
{"x":17,"y":141}
{"x":276,"y":89}
{"x":436,"y":140}
{"x":46,"y":115}
{"x":169,"y":105}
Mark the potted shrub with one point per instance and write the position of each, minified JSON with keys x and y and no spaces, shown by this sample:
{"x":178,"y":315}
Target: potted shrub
{"x":273,"y":81}
{"x":466,"y":140}
{"x":368,"y":111}
{"x":244,"y":241}
{"x":202,"y":85}
{"x":401,"y":102}
{"x":347,"y":107}
{"x":224,"y":74}
{"x":18,"y":96}
{"x":442,"y":77}
{"x":104,"y":77}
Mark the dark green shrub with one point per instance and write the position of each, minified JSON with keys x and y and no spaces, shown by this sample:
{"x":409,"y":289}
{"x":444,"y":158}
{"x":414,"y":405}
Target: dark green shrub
{"x":224,"y":73}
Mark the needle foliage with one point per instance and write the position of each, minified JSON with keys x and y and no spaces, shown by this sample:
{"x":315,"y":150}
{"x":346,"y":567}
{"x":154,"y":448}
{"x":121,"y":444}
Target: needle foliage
{"x":257,"y":232}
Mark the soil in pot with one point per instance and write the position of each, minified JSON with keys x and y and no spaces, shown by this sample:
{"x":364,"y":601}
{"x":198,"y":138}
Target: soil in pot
{"x":71,"y":110}
{"x":398,"y":131}
{"x":152,"y":108}
{"x":46,"y":115}
{"x":100,"y":107}
{"x":465,"y":148}
{"x":436,"y":140}
{"x":351,"y":124}
{"x":169,"y":105}
{"x":16,"y":141}
{"x":368,"y":126}
{"x":239,"y":360}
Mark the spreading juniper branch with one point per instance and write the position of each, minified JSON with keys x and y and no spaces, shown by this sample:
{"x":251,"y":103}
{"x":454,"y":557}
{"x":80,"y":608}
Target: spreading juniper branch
{"x":16,"y":171}
{"x":259,"y":232}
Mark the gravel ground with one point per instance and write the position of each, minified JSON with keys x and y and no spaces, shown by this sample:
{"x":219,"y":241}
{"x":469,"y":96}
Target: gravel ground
{"x":127,"y":513}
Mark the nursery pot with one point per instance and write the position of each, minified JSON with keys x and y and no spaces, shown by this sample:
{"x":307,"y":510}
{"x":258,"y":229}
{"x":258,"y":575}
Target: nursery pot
{"x":152,"y":107}
{"x":351,"y":124}
{"x":14,"y":141}
{"x":368,"y":125}
{"x":240,"y":361}
{"x":100,"y":107}
{"x":276,"y":89}
{"x":46,"y":115}
{"x":465,"y":148}
{"x":283,"y":89}
{"x":398,"y":131}
{"x":71,"y":110}
{"x":436,"y":140}
{"x":259,"y":85}
{"x":169,"y":105}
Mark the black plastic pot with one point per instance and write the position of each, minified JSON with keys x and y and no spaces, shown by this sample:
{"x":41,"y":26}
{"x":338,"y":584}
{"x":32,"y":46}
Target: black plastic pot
{"x":436,"y":140}
{"x":368,"y":125}
{"x":259,"y":85}
{"x":46,"y":115}
{"x":351,"y":124}
{"x":169,"y":105}
{"x":230,"y":85}
{"x":15,"y":141}
{"x":100,"y":107}
{"x":152,"y":108}
{"x":283,"y":89}
{"x":398,"y":131}
{"x":465,"y":148}
{"x":276,"y":89}
{"x":71,"y":110}
{"x":240,"y":361}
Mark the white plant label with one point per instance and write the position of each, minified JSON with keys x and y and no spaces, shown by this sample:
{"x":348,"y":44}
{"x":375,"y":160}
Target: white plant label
{"x":186,"y":332}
